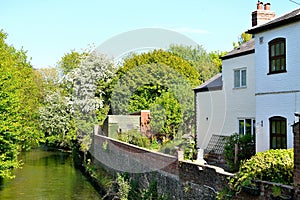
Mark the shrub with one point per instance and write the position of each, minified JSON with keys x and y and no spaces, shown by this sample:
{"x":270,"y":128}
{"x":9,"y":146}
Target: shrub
{"x":246,"y":149}
{"x":135,"y":137}
{"x":190,"y":151}
{"x":272,"y":165}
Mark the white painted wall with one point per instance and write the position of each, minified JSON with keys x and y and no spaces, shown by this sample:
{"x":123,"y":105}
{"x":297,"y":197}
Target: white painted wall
{"x":267,"y":107}
{"x":217,"y":112}
{"x":210,"y":115}
{"x":286,"y":99}
{"x":240,"y":101}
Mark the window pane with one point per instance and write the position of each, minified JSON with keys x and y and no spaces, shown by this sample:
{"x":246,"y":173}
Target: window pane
{"x":277,"y":51}
{"x":278,"y":143}
{"x":244,"y":74}
{"x":273,"y":65}
{"x":273,"y":144}
{"x":284,"y":146}
{"x":283,"y":128}
{"x":277,"y":65}
{"x":237,"y":78}
{"x":278,"y":127}
{"x":282,"y":49}
{"x":253,"y":126}
{"x":272,"y":50}
{"x":282,"y":64}
{"x":248,"y":126}
{"x":241,"y":127}
{"x":273,"y":130}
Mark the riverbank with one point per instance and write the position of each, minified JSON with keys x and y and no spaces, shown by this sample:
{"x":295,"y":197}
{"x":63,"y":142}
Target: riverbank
{"x":47,"y":174}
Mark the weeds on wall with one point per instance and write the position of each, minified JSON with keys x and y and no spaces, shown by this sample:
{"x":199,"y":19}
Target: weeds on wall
{"x":126,"y":188}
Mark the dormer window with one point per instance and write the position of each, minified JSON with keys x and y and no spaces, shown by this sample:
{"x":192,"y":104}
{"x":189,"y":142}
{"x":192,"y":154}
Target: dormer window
{"x":277,"y":56}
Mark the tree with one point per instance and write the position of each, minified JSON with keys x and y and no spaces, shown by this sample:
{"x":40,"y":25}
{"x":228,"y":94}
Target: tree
{"x":206,"y":64}
{"x":71,"y":60}
{"x":216,"y":57}
{"x":56,"y":120}
{"x":151,"y":85}
{"x":18,"y":106}
{"x":179,"y":64}
{"x":243,"y":38}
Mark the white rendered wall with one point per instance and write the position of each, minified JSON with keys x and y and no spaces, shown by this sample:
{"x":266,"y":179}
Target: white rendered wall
{"x":240,"y":101}
{"x":277,"y":94}
{"x":217,"y":112}
{"x":210,"y":115}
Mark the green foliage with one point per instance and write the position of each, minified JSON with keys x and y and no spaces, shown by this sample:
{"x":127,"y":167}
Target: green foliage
{"x":71,"y":61}
{"x":204,"y":63}
{"x":190,"y":151}
{"x":124,"y":187}
{"x":216,"y":58}
{"x":175,"y":62}
{"x":169,"y":90}
{"x":135,"y":137}
{"x":56,"y":120}
{"x":19,"y":102}
{"x":246,"y":149}
{"x":130,"y":189}
{"x":273,"y":166}
{"x":243,"y":38}
{"x":166,"y":115}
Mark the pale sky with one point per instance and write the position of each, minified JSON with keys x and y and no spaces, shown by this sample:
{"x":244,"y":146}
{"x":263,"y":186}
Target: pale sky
{"x":48,"y":29}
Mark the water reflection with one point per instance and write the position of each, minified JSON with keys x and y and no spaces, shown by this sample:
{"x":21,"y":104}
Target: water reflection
{"x":48,"y":175}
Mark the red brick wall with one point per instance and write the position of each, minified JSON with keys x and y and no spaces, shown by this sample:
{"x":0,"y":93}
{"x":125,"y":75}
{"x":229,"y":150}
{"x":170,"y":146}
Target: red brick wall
{"x":296,"y":159}
{"x":145,"y":123}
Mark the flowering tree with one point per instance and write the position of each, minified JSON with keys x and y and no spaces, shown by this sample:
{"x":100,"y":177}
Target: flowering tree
{"x":86,"y":96}
{"x":69,"y":112}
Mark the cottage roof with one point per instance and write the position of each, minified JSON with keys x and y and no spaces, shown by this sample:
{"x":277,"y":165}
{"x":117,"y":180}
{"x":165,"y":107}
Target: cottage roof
{"x":243,"y":49}
{"x":215,"y":83}
{"x":285,"y":19}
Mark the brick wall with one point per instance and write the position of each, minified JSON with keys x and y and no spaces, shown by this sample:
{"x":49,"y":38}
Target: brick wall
{"x":296,"y":158}
{"x":179,"y":179}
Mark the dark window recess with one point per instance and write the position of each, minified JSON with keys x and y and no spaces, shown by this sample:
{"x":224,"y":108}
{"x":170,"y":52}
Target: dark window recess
{"x":278,"y":133}
{"x":277,"y":56}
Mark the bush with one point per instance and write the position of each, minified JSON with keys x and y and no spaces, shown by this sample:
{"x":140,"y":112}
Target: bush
{"x":246,"y":149}
{"x":135,"y":137}
{"x":272,"y":165}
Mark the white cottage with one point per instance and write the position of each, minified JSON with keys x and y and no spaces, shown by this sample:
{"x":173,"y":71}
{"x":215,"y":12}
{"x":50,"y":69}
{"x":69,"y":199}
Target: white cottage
{"x":226,"y":103}
{"x":277,"y":78}
{"x":258,"y":91}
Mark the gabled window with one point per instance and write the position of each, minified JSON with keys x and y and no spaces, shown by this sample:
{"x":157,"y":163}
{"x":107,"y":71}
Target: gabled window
{"x":240,"y":78}
{"x":278,"y":135}
{"x":277,"y":56}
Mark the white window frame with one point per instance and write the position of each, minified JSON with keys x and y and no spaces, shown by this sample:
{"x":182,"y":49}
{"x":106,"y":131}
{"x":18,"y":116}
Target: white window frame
{"x":240,"y":81}
{"x":253,"y":125}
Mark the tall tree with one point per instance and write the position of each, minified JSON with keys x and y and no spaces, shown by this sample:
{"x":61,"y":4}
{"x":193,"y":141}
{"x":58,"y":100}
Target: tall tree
{"x":18,"y":106}
{"x":149,"y":81}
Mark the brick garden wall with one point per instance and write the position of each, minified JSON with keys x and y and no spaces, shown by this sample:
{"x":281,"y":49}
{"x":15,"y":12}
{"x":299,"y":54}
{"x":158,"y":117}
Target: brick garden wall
{"x":179,"y":179}
{"x":296,"y":159}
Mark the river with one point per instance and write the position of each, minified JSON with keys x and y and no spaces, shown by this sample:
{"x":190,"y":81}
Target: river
{"x":48,"y":175}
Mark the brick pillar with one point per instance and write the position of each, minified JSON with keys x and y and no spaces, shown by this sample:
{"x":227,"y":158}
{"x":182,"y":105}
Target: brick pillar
{"x":145,"y":122}
{"x":296,"y":158}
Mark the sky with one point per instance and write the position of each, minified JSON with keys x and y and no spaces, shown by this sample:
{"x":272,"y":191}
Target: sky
{"x":48,"y":29}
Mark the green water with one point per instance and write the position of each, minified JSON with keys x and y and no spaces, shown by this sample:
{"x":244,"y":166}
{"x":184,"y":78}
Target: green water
{"x":48,"y":175}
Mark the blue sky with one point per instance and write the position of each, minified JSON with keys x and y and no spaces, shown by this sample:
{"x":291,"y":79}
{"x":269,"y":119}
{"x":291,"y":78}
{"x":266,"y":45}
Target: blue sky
{"x":48,"y":29}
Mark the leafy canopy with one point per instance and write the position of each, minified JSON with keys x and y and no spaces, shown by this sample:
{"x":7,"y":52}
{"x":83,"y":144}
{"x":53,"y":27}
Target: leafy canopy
{"x":19,"y":102}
